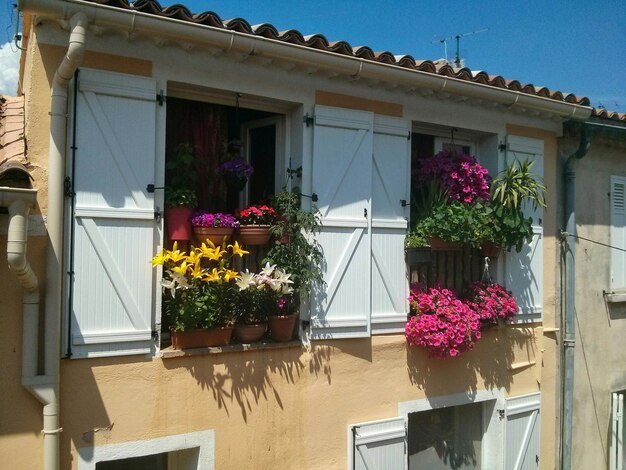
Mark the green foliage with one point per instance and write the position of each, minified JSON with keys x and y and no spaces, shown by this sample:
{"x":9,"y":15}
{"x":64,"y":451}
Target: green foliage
{"x":457,"y":222}
{"x":295,"y":250}
{"x":255,"y":305}
{"x":509,"y":228}
{"x":180,"y":197}
{"x":516,"y":185}
{"x":181,"y":177}
{"x":415,"y":239}
{"x":428,"y":196}
{"x":201,"y":305}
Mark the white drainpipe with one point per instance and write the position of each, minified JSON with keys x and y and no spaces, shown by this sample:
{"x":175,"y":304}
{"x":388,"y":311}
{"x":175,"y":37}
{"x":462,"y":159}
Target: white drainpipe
{"x":46,"y":387}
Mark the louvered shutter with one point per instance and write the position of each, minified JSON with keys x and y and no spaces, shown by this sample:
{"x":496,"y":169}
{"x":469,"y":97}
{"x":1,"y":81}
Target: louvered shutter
{"x":616,"y":448}
{"x":379,"y":445}
{"x":618,"y":233}
{"x":390,"y":185}
{"x":524,"y":270}
{"x":113,"y":223}
{"x":522,"y":432}
{"x":342,"y":175}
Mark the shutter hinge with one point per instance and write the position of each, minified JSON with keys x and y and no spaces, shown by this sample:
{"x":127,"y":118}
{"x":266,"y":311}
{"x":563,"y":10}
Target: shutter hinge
{"x":161,"y":98}
{"x":308,"y":120}
{"x":68,"y":190}
{"x":156,"y":332}
{"x":502,"y":147}
{"x":408,"y":137}
{"x":501,"y":413}
{"x":158,"y":215}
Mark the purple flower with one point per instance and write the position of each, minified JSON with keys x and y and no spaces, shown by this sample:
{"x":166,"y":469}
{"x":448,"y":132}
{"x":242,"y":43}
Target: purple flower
{"x":218,"y":219}
{"x":237,"y":167}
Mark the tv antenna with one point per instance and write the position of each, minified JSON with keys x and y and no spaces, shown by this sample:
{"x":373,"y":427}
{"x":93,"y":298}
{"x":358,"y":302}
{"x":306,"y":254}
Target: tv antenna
{"x":457,"y":37}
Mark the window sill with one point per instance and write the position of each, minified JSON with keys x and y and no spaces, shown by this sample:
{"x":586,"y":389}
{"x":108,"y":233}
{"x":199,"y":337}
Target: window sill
{"x":615,"y":297}
{"x":171,"y":353}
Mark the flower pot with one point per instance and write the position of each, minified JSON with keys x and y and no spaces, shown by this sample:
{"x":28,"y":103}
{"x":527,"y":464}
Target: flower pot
{"x":201,"y":337}
{"x":437,"y":244}
{"x":417,"y":255}
{"x":491,"y":250}
{"x":281,"y":327}
{"x":254,"y":234}
{"x":178,"y":222}
{"x":250,"y":333}
{"x":215,"y":234}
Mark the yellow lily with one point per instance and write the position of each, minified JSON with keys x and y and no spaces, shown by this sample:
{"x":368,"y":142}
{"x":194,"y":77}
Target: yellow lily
{"x":214,"y":253}
{"x":159,"y":259}
{"x":238,"y":250}
{"x":230,"y":274}
{"x":175,"y":255}
{"x":213,"y":276}
{"x":181,"y":268}
{"x":197,"y":272}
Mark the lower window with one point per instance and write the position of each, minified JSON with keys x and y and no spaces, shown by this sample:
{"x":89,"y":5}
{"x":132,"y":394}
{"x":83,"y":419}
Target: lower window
{"x":446,"y":438}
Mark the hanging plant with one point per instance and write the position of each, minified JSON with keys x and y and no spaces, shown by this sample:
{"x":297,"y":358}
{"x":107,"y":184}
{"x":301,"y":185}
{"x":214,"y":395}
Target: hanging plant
{"x":441,"y":323}
{"x":492,"y":302}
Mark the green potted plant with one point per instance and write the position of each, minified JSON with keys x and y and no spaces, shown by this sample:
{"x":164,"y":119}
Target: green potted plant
{"x":260,"y":295}
{"x":416,"y":248}
{"x":451,"y":225}
{"x":180,"y":192}
{"x":198,"y":294}
{"x":255,"y":223}
{"x":515,"y":187}
{"x":296,"y":251}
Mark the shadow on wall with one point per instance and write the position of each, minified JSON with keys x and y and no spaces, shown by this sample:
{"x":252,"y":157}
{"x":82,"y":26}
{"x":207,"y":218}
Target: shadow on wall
{"x":243,"y":380}
{"x":490,"y":361}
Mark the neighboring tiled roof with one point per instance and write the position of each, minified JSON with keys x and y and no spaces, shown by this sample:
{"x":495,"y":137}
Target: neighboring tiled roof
{"x":610,"y":115}
{"x":12,"y":144}
{"x":319,"y":42}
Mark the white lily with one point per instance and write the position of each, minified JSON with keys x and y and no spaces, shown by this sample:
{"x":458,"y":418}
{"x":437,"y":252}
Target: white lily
{"x":245,"y":280}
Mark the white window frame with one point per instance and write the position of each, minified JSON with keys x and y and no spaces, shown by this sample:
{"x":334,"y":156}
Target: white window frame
{"x":616,"y":445}
{"x":493,"y":424}
{"x":204,"y":441}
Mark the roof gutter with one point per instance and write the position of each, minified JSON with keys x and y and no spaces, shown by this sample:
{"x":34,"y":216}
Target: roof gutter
{"x":135,"y":22}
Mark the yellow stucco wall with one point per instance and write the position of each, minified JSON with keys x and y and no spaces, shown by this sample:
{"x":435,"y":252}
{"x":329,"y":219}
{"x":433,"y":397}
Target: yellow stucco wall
{"x":280,"y":408}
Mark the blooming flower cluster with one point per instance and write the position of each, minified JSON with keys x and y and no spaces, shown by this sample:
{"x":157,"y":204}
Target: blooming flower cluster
{"x":237,"y":167}
{"x":441,"y":323}
{"x":207,"y":219}
{"x":257,"y":215}
{"x":492,"y":302}
{"x":270,"y":277}
{"x":461,"y":177}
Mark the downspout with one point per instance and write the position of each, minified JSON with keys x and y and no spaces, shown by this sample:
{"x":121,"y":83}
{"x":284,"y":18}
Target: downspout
{"x":46,"y":387}
{"x":569,"y":321}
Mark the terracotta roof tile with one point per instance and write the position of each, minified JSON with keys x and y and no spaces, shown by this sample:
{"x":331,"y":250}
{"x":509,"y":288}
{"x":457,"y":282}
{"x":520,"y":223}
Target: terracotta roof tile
{"x":319,"y":42}
{"x":611,"y":115}
{"x":12,"y":143}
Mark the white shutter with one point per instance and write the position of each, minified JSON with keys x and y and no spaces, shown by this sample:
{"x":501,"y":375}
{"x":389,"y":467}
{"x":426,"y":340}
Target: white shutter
{"x":114,"y":238}
{"x":618,"y":232}
{"x":342,"y":175}
{"x":379,"y":445}
{"x":521,"y":450}
{"x":524,"y":270}
{"x":616,"y":449}
{"x":390,"y":185}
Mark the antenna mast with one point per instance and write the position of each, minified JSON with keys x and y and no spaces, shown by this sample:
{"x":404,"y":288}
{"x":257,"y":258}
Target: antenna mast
{"x":457,"y":37}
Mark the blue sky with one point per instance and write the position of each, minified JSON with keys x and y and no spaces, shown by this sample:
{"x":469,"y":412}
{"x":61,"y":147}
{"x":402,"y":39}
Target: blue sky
{"x":575,"y":46}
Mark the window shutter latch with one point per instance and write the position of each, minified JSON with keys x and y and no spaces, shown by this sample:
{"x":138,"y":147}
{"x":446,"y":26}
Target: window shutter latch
{"x":161,"y":98}
{"x":158,"y":215}
{"x":68,"y":190}
{"x":501,"y":413}
{"x":308,"y":120}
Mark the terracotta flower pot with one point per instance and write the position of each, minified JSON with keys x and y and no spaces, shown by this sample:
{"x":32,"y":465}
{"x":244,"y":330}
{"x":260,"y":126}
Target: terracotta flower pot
{"x":215,"y":234}
{"x":177,"y":220}
{"x":254,"y":234}
{"x":250,"y":333}
{"x":437,"y":244}
{"x":281,"y":327}
{"x":202,"y":337}
{"x":417,"y":255}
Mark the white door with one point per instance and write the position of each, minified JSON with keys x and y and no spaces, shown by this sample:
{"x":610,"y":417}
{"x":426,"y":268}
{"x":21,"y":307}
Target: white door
{"x":113,"y":223}
{"x":390,"y":185}
{"x":378,"y":445}
{"x":342,"y":180}
{"x":522,"y":432}
{"x":524,"y":270}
